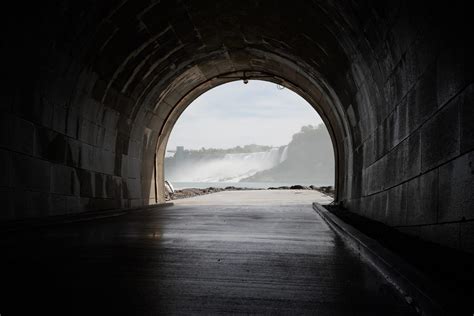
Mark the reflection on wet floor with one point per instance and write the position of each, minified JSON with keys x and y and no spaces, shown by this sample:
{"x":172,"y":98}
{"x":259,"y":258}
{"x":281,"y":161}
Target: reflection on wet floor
{"x":192,"y":259}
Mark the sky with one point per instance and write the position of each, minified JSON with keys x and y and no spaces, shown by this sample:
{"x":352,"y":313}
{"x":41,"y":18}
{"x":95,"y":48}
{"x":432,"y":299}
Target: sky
{"x":237,"y":114}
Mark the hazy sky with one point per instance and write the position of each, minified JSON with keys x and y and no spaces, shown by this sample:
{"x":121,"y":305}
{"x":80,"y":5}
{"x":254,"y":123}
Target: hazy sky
{"x":240,"y":114}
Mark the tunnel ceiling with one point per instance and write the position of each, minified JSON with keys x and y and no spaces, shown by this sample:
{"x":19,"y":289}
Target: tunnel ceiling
{"x":94,"y":87}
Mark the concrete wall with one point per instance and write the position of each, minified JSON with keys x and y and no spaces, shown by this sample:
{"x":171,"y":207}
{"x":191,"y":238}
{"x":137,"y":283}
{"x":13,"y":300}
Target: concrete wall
{"x":92,"y":91}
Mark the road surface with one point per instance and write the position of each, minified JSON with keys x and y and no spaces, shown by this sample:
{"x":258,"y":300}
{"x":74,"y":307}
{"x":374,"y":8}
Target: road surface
{"x":258,"y":252}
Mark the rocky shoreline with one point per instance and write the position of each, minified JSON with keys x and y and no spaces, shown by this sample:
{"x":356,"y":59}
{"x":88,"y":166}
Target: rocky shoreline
{"x":186,"y":193}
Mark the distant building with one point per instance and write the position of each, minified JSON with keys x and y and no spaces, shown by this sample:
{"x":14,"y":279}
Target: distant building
{"x":179,"y":154}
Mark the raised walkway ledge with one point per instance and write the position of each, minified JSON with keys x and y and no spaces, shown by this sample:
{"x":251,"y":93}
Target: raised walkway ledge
{"x":421,"y":292}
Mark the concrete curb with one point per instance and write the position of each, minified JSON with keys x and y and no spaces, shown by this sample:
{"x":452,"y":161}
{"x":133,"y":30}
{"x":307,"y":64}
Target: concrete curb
{"x":415,"y":288}
{"x":73,"y":218}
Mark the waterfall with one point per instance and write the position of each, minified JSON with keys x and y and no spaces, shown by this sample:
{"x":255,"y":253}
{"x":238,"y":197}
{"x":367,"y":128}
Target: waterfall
{"x":230,"y":167}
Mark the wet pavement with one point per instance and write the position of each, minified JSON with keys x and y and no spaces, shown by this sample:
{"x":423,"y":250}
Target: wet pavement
{"x":192,"y":258}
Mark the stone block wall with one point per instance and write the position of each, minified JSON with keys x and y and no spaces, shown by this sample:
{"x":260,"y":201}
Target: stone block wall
{"x":417,"y":158}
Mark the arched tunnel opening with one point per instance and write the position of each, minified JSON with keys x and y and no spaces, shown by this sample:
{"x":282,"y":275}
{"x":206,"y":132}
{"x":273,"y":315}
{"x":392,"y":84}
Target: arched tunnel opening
{"x":248,"y":133}
{"x":92,"y":90}
{"x":322,"y":103}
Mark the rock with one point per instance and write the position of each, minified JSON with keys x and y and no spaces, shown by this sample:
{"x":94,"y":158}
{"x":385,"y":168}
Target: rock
{"x":298,"y":187}
{"x":328,"y":190}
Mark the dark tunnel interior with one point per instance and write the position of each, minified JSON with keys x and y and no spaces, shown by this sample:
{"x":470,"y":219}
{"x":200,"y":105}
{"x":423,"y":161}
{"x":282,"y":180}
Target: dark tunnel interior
{"x":92,"y":89}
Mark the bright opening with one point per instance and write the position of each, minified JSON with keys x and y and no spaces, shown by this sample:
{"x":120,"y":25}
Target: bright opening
{"x":255,"y":135}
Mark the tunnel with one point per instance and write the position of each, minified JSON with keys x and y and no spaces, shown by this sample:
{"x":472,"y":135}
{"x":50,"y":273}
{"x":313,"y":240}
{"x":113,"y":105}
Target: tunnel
{"x":91,"y":91}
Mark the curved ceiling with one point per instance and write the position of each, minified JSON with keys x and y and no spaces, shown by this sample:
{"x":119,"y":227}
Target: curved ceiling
{"x":151,"y":58}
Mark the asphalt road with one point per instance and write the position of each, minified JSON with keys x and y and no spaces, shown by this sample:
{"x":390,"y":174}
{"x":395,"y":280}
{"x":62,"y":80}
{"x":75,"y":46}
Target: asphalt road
{"x":215,"y":254}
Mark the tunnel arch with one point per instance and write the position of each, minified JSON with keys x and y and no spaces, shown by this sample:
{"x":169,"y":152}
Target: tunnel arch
{"x":90,"y":84}
{"x":314,"y":96}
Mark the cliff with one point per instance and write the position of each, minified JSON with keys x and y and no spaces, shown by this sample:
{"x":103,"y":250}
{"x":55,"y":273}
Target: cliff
{"x":310,"y":159}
